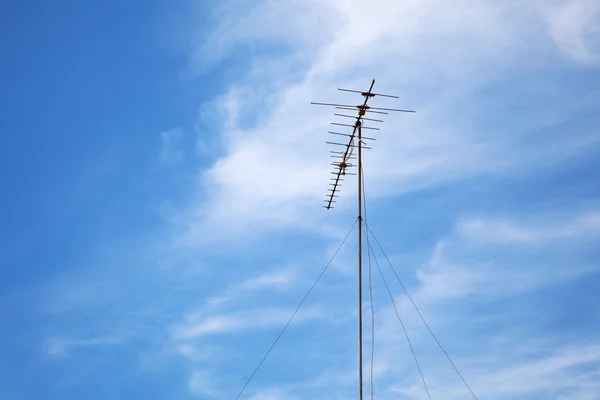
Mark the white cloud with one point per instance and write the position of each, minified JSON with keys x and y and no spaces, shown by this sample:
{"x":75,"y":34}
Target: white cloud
{"x":444,"y":59}
{"x":507,"y":232}
{"x":61,"y":346}
{"x":502,"y":355}
{"x":437,"y":55}
{"x":564,"y":370}
{"x":544,"y":373}
{"x":186,"y":350}
{"x":275,"y":168}
{"x":471,"y":262}
{"x":240,"y":321}
{"x":502,"y":363}
{"x":575,"y":27}
{"x":277,"y":280}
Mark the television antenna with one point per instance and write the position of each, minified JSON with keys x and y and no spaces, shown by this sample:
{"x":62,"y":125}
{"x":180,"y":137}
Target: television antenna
{"x":342,"y":165}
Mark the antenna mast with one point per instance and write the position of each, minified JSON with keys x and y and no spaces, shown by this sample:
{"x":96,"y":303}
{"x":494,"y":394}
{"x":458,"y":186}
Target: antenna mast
{"x":341,"y":165}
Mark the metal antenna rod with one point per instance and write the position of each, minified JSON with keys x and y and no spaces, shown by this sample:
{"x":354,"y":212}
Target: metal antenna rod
{"x":360,"y":189}
{"x":360,"y":314}
{"x":342,"y":167}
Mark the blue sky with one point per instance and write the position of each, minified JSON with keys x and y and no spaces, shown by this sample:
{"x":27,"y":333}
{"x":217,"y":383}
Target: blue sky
{"x":163,"y":176}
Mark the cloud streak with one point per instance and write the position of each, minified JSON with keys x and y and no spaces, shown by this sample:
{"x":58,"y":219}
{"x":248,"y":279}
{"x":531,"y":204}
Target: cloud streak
{"x":471,"y":262}
{"x":238,"y":322}
{"x":506,"y":232}
{"x":574,"y":27}
{"x":274,"y":168}
{"x":488,"y":109}
{"x":491,"y":82}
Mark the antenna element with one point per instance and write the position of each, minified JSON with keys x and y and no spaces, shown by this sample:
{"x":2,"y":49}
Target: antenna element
{"x":341,"y":168}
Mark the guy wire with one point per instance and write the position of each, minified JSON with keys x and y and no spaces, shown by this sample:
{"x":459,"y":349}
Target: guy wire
{"x":391,"y":296}
{"x":296,"y":310}
{"x":421,"y":315}
{"x":370,"y":283}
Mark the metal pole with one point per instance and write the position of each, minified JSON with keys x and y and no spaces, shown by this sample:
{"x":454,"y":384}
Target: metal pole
{"x":360,"y":324}
{"x":345,"y":155}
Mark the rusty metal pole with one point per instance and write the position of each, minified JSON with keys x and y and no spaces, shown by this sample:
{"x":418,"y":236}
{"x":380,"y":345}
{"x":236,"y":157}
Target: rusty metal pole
{"x":360,"y":316}
{"x":342,"y":166}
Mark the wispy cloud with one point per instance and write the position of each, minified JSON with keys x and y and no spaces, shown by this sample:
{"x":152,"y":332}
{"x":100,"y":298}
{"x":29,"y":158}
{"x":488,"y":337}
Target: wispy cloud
{"x":64,"y":346}
{"x":274,"y":169}
{"x":499,"y":231}
{"x":277,"y":280}
{"x":548,"y":373}
{"x":487,"y":108}
{"x":472,"y":261}
{"x":508,"y":354}
{"x":566,"y":371}
{"x":574,"y":27}
{"x":238,"y":322}
{"x":491,"y":86}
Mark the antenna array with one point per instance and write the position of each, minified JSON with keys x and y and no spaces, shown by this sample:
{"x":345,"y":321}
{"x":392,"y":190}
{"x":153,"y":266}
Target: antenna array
{"x":344,"y":155}
{"x":342,"y":165}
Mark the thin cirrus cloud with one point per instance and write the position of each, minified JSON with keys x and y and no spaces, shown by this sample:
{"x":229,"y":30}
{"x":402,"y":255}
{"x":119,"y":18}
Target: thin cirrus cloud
{"x":563,"y":371}
{"x":477,"y":75}
{"x":506,"y":232}
{"x":465,"y":67}
{"x":491,"y":257}
{"x":573,"y":26}
{"x":510,"y":359}
{"x":510,"y":352}
{"x":439,"y":57}
{"x":63,"y":346}
{"x":278,"y":280}
{"x":237,"y":322}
